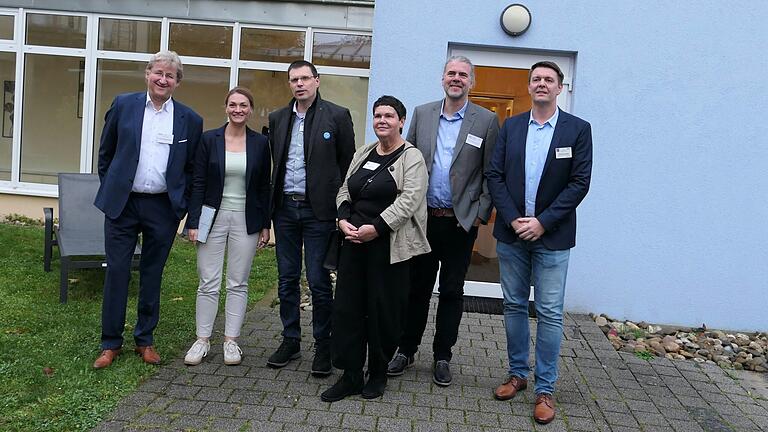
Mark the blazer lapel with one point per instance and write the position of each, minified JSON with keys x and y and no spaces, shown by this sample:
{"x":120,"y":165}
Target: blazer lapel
{"x":522,"y":137}
{"x":466,"y":126}
{"x":250,"y":153}
{"x":141,"y":104}
{"x":434,"y":125}
{"x":313,"y":118}
{"x":219,"y":150}
{"x":559,"y":130}
{"x":179,"y":130}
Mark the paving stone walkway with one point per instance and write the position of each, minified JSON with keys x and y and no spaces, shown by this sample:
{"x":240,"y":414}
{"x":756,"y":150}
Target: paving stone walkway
{"x":599,"y":390}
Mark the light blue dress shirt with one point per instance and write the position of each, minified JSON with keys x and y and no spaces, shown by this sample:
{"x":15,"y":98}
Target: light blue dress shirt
{"x":537,"y":144}
{"x":439,"y":191}
{"x":295,"y":170}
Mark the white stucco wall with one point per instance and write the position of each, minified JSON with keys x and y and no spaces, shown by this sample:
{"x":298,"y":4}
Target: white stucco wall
{"x":674,"y":227}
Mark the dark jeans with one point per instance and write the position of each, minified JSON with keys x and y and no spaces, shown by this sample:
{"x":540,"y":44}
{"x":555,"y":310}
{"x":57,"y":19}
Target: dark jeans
{"x":370,"y":300}
{"x":451,"y":252}
{"x":296,"y":225}
{"x":154,"y":218}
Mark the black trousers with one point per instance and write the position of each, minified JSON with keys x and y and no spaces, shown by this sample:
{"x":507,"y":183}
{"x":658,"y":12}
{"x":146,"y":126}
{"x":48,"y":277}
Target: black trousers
{"x":153,"y":217}
{"x":451,"y":252}
{"x":368,"y":309}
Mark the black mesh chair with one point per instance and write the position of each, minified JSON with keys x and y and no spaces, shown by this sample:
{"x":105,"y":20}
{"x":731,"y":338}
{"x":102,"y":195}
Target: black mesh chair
{"x":79,"y":234}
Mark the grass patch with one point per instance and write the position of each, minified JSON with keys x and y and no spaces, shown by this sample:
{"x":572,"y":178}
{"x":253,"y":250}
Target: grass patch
{"x":47,"y":349}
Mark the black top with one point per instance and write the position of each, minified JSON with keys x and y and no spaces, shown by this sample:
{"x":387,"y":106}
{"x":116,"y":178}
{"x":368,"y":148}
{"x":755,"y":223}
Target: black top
{"x":370,"y":194}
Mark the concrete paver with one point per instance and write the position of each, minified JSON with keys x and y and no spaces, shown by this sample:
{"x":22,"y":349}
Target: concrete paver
{"x":598,"y":390}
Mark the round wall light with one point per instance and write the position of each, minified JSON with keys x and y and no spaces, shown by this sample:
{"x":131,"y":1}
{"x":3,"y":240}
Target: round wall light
{"x":515,"y":19}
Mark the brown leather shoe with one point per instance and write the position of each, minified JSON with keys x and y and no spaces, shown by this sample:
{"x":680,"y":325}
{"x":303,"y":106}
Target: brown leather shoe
{"x":544,"y":411}
{"x":106,"y":358}
{"x":509,"y":389}
{"x":148,"y":354}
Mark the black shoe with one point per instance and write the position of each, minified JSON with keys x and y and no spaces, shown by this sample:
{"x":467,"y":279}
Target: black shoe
{"x":288,"y":350}
{"x":398,"y":364}
{"x":374,"y":388}
{"x":350,"y":383}
{"x":441,"y":373}
{"x":321,"y":364}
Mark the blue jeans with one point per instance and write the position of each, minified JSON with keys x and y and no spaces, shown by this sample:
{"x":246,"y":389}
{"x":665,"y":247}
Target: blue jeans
{"x":296,"y":224}
{"x":522,"y":264}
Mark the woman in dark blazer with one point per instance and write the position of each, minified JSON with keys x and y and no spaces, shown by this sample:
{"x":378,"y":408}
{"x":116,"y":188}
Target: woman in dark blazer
{"x":231,"y":177}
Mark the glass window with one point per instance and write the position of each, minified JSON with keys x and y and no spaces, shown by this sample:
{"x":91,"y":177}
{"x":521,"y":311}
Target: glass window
{"x":270,"y":92}
{"x":113,"y":77}
{"x":6,"y":27}
{"x":201,"y":40}
{"x":56,"y":30}
{"x":129,"y":35}
{"x":203,"y":89}
{"x":350,"y":92}
{"x":272,"y":45}
{"x":331,"y":49}
{"x":51,"y":124}
{"x":7,"y":77}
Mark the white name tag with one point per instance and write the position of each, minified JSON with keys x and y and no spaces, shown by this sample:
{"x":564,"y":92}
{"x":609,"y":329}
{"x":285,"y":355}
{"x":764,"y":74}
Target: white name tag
{"x":563,"y":153}
{"x":370,"y":166}
{"x":164,"y":138}
{"x":474,"y":141}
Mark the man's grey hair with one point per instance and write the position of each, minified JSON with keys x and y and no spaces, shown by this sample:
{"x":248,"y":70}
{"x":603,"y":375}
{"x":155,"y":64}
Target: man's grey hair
{"x":169,"y":57}
{"x":462,"y":59}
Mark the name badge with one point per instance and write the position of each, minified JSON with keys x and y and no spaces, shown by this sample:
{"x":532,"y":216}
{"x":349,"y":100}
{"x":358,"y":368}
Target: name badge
{"x":164,"y":138}
{"x":563,"y":153}
{"x":474,"y":141}
{"x":370,"y":166}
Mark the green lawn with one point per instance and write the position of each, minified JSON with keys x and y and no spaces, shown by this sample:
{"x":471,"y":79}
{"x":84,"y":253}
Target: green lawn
{"x":47,"y":349}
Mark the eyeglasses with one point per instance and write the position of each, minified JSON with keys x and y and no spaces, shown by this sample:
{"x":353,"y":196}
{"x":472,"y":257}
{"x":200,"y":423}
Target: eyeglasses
{"x":303,"y":79}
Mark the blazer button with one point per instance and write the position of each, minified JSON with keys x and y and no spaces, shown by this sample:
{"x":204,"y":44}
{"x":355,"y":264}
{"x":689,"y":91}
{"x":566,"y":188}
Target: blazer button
{"x":391,"y":168}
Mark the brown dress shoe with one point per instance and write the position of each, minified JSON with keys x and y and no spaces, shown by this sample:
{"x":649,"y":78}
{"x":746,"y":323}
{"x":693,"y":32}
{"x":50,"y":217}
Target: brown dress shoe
{"x":509,"y":389}
{"x":106,"y":358}
{"x":148,"y":354}
{"x":544,"y":411}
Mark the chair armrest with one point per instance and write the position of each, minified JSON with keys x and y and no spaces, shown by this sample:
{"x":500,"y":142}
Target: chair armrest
{"x":48,"y":240}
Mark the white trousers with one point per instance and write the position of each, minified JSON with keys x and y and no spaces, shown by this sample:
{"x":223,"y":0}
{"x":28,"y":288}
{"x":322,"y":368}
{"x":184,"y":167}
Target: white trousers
{"x":228,"y":232}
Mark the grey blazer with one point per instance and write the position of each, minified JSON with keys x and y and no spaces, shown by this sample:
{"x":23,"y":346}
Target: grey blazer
{"x":470,"y":196}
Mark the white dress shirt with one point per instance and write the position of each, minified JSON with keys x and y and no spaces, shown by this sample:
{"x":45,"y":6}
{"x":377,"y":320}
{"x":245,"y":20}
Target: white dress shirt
{"x":156,"y":141}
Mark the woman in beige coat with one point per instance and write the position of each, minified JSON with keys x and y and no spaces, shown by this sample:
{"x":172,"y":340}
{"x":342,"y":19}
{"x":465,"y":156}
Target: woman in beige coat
{"x":383,"y":217}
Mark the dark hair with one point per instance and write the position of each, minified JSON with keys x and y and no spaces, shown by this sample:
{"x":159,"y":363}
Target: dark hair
{"x":240,"y":90}
{"x":548,"y":65}
{"x":392,"y":102}
{"x":301,"y":63}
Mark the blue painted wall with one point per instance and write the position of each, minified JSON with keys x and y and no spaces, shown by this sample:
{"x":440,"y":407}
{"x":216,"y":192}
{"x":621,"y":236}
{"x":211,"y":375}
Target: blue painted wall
{"x":675,"y":227}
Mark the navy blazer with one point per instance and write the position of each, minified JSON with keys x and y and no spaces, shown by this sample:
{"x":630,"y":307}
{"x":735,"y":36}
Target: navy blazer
{"x":564,"y":182}
{"x":119,"y":153}
{"x":208,"y":179}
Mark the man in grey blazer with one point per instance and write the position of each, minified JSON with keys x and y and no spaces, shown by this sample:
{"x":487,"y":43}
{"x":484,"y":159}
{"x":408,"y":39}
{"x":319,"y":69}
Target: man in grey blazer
{"x":456,"y":138}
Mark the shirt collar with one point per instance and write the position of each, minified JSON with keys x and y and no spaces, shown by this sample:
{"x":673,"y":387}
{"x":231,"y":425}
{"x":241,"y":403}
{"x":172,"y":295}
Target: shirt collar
{"x":552,"y":120}
{"x":298,"y":114}
{"x":459,"y":113}
{"x":167,"y":105}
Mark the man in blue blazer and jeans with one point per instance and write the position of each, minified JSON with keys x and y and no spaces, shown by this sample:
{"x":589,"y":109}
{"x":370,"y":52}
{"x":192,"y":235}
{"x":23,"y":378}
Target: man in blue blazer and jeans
{"x":539,"y":173}
{"x":146,"y":156}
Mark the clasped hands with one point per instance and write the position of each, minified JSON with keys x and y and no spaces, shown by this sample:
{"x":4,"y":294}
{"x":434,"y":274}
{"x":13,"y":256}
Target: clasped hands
{"x":528,"y":228}
{"x":360,"y":234}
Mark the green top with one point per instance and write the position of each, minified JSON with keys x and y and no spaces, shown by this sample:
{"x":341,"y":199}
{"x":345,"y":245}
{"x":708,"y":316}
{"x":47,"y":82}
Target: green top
{"x":233,"y":197}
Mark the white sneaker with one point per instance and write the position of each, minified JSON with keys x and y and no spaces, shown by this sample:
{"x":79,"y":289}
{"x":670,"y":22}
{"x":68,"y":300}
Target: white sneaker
{"x":195,"y":354}
{"x":232,"y":353}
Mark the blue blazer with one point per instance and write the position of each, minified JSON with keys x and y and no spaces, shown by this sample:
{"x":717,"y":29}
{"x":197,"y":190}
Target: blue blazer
{"x":208,"y":179}
{"x":564,"y":182}
{"x":119,"y":153}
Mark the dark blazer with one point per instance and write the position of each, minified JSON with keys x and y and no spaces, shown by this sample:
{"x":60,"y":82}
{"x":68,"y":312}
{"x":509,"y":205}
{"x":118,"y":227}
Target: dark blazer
{"x":208,"y":179}
{"x":470,"y":196}
{"x":564,"y":182}
{"x":119,"y":153}
{"x":329,"y":143}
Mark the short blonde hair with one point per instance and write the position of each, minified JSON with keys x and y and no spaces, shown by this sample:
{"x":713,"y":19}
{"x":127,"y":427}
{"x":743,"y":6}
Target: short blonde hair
{"x":169,"y":57}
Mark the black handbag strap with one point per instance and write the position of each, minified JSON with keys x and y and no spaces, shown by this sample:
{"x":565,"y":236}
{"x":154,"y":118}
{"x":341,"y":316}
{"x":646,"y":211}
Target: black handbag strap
{"x":395,"y":156}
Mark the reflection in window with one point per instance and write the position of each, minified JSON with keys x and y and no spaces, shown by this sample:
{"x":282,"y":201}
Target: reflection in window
{"x":56,"y":30}
{"x":201,"y":40}
{"x":129,"y":35}
{"x":7,"y":78}
{"x":51,"y":127}
{"x":6,"y":27}
{"x":331,"y":49}
{"x":113,"y":77}
{"x":270,"y":92}
{"x":272,"y":45}
{"x":350,"y":92}
{"x":204,"y":89}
